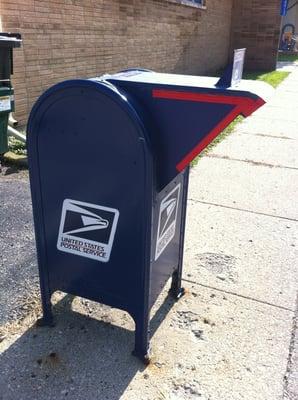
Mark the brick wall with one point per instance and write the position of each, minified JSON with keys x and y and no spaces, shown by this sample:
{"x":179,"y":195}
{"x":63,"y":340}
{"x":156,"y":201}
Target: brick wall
{"x":71,"y":38}
{"x":256,"y":26}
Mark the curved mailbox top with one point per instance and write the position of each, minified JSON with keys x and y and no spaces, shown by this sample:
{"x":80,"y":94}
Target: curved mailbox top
{"x":82,"y":89}
{"x":185,"y":113}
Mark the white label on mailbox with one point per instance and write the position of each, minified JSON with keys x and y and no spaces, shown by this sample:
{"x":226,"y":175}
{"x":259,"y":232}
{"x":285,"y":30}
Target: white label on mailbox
{"x":5,"y":103}
{"x":87,"y":230}
{"x":167,"y":220}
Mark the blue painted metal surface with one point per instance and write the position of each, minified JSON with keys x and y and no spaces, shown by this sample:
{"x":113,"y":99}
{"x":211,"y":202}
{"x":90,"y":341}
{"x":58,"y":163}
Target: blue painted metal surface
{"x":108,"y":161}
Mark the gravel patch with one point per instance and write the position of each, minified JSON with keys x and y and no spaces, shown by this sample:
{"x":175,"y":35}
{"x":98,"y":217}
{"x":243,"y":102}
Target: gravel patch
{"x":19,"y":274}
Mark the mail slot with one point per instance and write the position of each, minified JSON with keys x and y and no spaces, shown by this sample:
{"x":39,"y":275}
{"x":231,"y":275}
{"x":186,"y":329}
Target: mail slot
{"x":109,"y":166}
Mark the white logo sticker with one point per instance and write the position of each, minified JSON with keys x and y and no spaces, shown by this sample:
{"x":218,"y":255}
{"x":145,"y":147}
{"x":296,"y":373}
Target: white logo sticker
{"x":87,"y":230}
{"x":5,"y":103}
{"x":167,"y":220}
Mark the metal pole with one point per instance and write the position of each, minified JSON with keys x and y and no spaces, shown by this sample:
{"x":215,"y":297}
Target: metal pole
{"x":18,"y":135}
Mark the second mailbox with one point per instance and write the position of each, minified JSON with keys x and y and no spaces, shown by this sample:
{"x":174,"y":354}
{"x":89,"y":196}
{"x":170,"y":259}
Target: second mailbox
{"x":108,"y":161}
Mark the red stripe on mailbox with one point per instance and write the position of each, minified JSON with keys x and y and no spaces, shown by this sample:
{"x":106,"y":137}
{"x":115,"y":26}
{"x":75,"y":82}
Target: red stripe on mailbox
{"x":245,"y":106}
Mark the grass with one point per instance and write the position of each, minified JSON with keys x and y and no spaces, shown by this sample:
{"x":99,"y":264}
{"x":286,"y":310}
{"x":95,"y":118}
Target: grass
{"x":287,"y":57}
{"x":273,"y":78}
{"x":16,"y":146}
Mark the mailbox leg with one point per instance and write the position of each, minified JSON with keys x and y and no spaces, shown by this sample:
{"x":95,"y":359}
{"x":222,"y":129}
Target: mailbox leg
{"x":47,"y":318}
{"x":141,"y":349}
{"x":176,"y":290}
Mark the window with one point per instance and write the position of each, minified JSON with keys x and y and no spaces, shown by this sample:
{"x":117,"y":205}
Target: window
{"x":191,"y":3}
{"x":199,"y":2}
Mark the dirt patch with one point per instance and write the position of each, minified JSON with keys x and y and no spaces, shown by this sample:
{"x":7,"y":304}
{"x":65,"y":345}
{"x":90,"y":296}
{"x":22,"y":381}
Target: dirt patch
{"x":219,"y":264}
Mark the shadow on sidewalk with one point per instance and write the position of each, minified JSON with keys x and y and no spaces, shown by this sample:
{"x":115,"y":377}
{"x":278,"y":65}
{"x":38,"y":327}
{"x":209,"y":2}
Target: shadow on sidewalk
{"x":80,"y":358}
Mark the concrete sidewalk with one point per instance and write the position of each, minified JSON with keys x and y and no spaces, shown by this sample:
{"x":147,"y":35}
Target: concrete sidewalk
{"x":233,"y":335}
{"x":253,"y":190}
{"x":287,"y":66}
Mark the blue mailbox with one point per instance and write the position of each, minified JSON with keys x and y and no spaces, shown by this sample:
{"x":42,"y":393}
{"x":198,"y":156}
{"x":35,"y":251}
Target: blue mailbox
{"x":109,"y":163}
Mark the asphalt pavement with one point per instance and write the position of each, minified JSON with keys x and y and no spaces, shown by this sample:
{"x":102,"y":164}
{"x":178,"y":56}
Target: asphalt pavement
{"x":19,"y":278}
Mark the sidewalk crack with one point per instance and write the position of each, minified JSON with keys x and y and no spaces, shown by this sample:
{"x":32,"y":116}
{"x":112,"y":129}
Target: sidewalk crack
{"x":290,"y":364}
{"x":243,"y":210}
{"x":267,"y":303}
{"x":264,"y":135}
{"x":252,"y":162}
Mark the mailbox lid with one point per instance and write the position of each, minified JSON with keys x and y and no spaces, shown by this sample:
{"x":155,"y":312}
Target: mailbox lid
{"x":185,"y":113}
{"x":253,"y":89}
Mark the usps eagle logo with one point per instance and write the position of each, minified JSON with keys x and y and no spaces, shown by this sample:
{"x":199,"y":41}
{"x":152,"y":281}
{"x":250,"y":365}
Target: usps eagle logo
{"x":87,"y":230}
{"x":167,"y":220}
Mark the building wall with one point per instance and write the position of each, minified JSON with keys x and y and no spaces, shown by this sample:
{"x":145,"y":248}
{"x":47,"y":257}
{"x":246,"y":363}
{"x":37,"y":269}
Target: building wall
{"x":256,"y":26}
{"x":65,"y":39}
